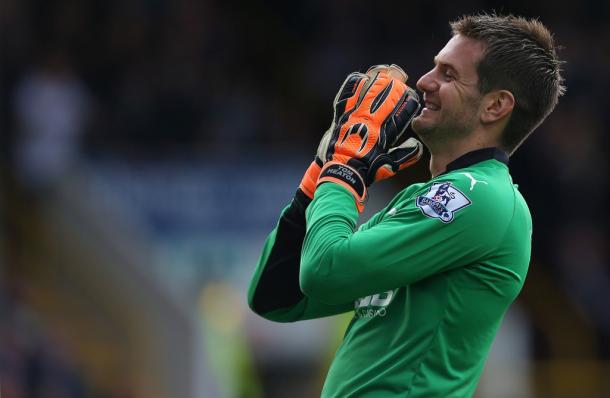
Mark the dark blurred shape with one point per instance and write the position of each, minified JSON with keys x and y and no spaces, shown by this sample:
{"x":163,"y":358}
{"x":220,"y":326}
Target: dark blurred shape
{"x":33,"y":362}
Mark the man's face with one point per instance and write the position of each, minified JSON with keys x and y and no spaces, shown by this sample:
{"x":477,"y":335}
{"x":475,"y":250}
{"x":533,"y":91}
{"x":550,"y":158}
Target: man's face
{"x":451,"y":94}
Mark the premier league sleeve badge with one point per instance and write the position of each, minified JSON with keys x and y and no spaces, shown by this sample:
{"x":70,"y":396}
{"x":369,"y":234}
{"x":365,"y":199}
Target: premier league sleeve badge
{"x":442,"y":201}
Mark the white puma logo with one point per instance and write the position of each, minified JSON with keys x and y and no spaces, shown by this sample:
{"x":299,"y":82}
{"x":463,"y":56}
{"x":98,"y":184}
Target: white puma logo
{"x":391,"y":212}
{"x":473,"y":182}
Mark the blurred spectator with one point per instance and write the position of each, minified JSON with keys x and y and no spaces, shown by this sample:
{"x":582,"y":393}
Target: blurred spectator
{"x":51,"y":106}
{"x":583,"y":264}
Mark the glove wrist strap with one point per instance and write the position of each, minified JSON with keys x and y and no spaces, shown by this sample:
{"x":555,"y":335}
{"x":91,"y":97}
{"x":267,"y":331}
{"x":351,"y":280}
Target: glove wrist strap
{"x":310,"y":178}
{"x":348,"y":177}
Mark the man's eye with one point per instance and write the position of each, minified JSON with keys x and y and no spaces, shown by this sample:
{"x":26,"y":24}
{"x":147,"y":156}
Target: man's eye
{"x":449,"y":76}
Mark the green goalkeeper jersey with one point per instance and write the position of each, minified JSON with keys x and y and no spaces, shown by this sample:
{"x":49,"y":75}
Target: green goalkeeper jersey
{"x":429,"y":279}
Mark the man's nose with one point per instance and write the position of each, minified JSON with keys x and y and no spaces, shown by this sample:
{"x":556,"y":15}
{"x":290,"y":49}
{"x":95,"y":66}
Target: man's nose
{"x":427,"y":83}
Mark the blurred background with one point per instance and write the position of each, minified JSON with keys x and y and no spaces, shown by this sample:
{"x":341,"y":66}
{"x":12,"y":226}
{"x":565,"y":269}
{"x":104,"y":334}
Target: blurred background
{"x":147,"y":147}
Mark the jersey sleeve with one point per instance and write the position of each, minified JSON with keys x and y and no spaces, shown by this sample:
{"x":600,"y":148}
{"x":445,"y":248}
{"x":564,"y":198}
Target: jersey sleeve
{"x":274,"y":291}
{"x":377,"y":217}
{"x":339,"y":264}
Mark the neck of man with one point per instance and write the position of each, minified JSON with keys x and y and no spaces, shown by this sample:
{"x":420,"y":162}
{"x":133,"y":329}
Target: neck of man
{"x":443,"y":153}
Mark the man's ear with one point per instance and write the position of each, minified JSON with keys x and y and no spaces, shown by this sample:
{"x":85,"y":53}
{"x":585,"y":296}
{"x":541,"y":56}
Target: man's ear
{"x":496,"y":105}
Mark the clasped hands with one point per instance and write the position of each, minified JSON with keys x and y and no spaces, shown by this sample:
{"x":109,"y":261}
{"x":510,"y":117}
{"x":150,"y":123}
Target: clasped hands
{"x":363,"y":143}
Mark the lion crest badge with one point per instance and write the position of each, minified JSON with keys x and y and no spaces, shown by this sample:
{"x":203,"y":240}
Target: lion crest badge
{"x":442,"y":201}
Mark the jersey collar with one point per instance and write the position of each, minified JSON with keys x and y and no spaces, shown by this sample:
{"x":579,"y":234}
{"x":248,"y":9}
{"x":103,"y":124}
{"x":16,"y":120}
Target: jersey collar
{"x":477,"y":156}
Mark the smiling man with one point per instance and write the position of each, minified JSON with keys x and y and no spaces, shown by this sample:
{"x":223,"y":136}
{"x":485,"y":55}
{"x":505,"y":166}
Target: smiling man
{"x":429,"y":277}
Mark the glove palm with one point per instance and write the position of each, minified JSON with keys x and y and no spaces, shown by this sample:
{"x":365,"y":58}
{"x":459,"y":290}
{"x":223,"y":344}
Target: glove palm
{"x":359,"y":149}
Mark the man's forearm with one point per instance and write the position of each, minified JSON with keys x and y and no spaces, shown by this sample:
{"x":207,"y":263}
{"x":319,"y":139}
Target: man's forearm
{"x":274,"y":291}
{"x":275,"y":282}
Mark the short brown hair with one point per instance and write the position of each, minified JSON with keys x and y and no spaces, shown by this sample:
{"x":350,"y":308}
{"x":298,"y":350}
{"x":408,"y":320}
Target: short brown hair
{"x":520,"y":57}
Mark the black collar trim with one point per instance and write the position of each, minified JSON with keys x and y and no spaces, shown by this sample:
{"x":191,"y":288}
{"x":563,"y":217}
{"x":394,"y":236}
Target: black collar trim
{"x":477,"y":156}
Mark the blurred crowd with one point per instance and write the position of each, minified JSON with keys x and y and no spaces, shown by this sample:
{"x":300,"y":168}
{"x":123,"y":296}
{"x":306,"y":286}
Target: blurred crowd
{"x":157,"y":79}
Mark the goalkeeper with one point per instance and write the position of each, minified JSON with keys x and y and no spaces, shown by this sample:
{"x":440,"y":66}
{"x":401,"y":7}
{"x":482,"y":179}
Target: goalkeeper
{"x":429,"y":277}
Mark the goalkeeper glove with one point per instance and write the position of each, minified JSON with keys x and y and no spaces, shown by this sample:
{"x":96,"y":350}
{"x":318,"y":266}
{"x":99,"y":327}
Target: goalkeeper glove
{"x":371,"y":113}
{"x":344,"y":102}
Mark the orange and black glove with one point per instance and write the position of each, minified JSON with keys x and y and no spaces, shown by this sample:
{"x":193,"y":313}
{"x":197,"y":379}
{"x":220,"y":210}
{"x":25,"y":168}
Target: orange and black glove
{"x":372,"y":112}
{"x":344,"y":102}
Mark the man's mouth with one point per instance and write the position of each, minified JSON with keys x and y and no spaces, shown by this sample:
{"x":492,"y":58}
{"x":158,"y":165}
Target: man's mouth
{"x":431,"y":106}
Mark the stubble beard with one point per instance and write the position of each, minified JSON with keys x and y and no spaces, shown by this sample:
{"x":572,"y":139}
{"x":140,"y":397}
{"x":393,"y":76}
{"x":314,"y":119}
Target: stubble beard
{"x":445,"y":131}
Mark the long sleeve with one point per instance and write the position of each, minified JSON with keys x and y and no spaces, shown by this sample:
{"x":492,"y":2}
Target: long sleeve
{"x":274,"y":291}
{"x":340,"y":264}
